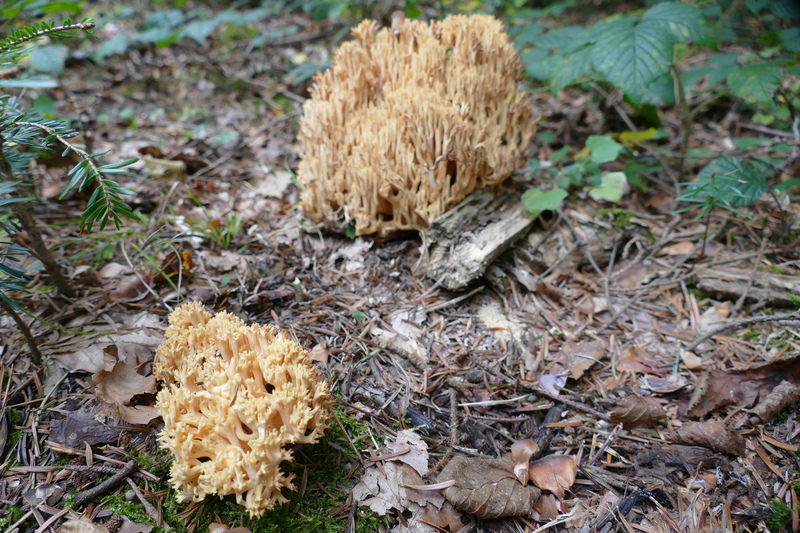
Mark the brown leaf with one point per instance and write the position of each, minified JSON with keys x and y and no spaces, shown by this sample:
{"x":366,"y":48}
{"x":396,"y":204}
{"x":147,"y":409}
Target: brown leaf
{"x":133,"y":527}
{"x":742,"y":387}
{"x":711,"y":434}
{"x":635,"y":411}
{"x":548,"y":508}
{"x":555,"y":473}
{"x":578,"y":358}
{"x":637,"y":359}
{"x":217,"y":527}
{"x":119,"y":382}
{"x":81,"y":525}
{"x":487,"y":488}
{"x":680,"y":248}
{"x":319,"y":353}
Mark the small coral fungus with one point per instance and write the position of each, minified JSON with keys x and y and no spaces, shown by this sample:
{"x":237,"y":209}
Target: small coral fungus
{"x":233,"y":398}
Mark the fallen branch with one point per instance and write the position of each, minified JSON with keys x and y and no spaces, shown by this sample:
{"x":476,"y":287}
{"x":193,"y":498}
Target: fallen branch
{"x":84,"y":497}
{"x":743,"y":322}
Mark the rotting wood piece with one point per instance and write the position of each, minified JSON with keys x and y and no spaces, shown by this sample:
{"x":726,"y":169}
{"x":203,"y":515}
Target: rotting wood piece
{"x":767,"y":286}
{"x":468,"y":238}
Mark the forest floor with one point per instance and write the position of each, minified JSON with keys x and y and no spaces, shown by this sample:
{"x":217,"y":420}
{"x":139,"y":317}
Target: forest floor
{"x":586,"y":326}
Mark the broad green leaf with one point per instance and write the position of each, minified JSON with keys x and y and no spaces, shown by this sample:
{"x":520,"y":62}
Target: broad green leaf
{"x":526,"y":34}
{"x":611,"y":188}
{"x":199,"y":30}
{"x":682,"y":20}
{"x":718,"y":67}
{"x":604,"y":148}
{"x":790,"y":39}
{"x":539,"y":63}
{"x":49,"y":58}
{"x":558,"y":39}
{"x":113,"y":46}
{"x":788,"y":184}
{"x":660,"y":91}
{"x":536,"y":201}
{"x":572,"y":68}
{"x":728,"y":179}
{"x":635,"y":55}
{"x":756,"y":82}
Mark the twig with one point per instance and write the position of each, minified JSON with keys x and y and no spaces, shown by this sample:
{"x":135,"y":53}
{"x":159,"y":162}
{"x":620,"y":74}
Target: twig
{"x":738,"y":305}
{"x":84,"y":497}
{"x":572,"y":404}
{"x":36,"y":356}
{"x":151,"y":511}
{"x":453,"y":441}
{"x":743,"y":322}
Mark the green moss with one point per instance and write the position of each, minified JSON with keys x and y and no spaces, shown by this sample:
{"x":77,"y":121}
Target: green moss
{"x":133,"y":510}
{"x":14,"y":514}
{"x":781,"y":517}
{"x":622,"y":217}
{"x":322,"y":508}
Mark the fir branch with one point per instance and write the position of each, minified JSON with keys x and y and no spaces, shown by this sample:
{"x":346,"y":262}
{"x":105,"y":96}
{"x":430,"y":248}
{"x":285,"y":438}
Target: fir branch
{"x":31,"y":33}
{"x":106,"y":202}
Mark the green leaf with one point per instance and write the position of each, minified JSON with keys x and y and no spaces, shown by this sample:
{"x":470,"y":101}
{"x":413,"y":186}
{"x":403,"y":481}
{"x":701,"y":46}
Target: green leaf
{"x":634,"y":55}
{"x":558,"y":39}
{"x":539,"y":63}
{"x":728,"y":179}
{"x":682,"y":20}
{"x":611,"y":188}
{"x":199,"y":30}
{"x":526,"y":34}
{"x":788,"y":184}
{"x":756,"y":81}
{"x":113,"y":46}
{"x":49,"y":58}
{"x":535,"y":200}
{"x":604,"y":148}
{"x":634,"y":137}
{"x":572,"y":68}
{"x":718,"y":67}
{"x":790,"y":39}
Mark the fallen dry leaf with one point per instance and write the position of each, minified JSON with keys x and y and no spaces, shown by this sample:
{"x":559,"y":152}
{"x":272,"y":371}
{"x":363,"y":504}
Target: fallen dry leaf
{"x":679,"y":248}
{"x":390,"y":486}
{"x":665,"y":385}
{"x":637,"y":359}
{"x":743,"y":386}
{"x":713,"y":317}
{"x":555,"y":473}
{"x":81,"y":525}
{"x":578,"y":358}
{"x":133,"y":527}
{"x":216,"y":527}
{"x":118,"y":382}
{"x":548,"y":508}
{"x":711,"y":434}
{"x":82,"y":426}
{"x":635,"y":411}
{"x":319,"y":353}
{"x":487,"y":488}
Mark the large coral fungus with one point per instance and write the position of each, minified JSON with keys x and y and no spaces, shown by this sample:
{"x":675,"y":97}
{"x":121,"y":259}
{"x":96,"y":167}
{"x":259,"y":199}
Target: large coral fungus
{"x":404,"y":126}
{"x":234,"y":398}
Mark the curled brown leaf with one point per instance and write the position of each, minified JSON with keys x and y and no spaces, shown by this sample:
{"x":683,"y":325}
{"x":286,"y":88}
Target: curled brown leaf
{"x":635,"y":411}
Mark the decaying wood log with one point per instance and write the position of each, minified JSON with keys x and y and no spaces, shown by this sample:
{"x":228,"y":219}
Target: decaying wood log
{"x":732,"y":282}
{"x":465,"y":240}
